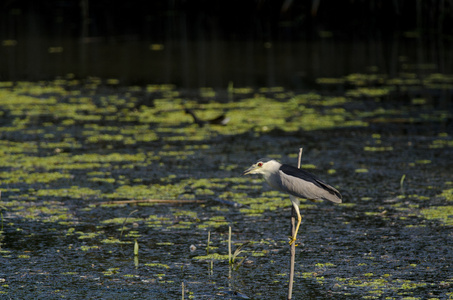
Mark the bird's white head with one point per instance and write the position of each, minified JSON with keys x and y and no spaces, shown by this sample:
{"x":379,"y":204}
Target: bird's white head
{"x":263,"y":166}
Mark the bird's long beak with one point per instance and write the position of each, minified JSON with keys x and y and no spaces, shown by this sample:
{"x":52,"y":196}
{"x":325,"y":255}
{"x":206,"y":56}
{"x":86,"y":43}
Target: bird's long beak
{"x":249,"y":170}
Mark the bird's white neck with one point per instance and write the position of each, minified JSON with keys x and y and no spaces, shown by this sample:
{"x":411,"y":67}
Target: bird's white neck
{"x":271,"y":177}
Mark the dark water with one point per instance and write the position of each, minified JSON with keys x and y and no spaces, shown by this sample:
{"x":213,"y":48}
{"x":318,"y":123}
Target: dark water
{"x":219,"y":63}
{"x":265,"y":43}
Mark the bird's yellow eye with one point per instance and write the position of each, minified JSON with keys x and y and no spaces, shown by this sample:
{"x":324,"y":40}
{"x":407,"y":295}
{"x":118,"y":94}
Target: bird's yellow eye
{"x":260,"y":164}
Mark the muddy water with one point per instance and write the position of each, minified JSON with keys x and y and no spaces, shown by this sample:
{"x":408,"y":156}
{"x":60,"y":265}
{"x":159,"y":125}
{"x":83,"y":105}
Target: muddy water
{"x":73,"y":151}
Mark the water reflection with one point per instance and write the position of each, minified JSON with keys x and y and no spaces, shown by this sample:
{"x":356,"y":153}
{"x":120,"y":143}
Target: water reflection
{"x":258,"y":43}
{"x":217,"y":63}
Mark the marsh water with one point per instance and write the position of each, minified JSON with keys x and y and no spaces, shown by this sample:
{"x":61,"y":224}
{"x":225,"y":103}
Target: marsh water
{"x":71,"y":149}
{"x":91,"y":167}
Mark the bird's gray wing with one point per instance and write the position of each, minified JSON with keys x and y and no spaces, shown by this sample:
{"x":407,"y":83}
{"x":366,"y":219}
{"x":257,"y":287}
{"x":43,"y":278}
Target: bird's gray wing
{"x":303,"y":184}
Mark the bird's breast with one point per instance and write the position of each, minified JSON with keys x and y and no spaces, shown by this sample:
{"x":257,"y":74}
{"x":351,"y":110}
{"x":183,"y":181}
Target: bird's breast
{"x":273,"y":181}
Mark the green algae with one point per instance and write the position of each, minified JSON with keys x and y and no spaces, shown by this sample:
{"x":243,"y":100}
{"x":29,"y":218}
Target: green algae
{"x":185,"y":213}
{"x":369,"y":92}
{"x":441,"y":213}
{"x":21,"y":176}
{"x":88,"y":248}
{"x":447,"y":194}
{"x":380,"y":285}
{"x":112,"y":240}
{"x":111,"y":271}
{"x":88,"y":235}
{"x":216,"y":221}
{"x":45,"y":211}
{"x":72,"y":192}
{"x":157,"y":265}
{"x":378,"y":149}
{"x":155,"y":191}
{"x":9,"y":147}
{"x":213,"y":256}
{"x":121,"y":221}
{"x":324,"y":265}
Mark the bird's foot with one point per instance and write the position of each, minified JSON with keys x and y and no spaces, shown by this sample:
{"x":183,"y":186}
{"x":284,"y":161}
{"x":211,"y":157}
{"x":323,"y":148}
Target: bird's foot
{"x":292,"y":240}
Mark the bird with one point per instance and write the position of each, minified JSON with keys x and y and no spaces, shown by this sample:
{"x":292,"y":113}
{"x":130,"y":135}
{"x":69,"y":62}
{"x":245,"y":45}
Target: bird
{"x":296,"y":182}
{"x":220,"y":120}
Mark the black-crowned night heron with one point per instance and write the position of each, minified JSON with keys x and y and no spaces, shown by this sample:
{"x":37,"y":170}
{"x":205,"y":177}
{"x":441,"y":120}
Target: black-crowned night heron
{"x":295,"y":182}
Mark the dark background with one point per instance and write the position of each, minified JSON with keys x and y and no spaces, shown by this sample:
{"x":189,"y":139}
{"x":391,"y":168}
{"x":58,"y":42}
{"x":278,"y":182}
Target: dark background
{"x":212,"y":43}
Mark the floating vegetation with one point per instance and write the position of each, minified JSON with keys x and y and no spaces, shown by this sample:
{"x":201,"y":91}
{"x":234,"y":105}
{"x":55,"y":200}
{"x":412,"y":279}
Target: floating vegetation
{"x":112,"y":240}
{"x":213,"y":256}
{"x":378,"y":149}
{"x":70,"y":192}
{"x":88,"y":235}
{"x":447,"y":194}
{"x":441,"y":213}
{"x":369,"y":92}
{"x":120,"y":221}
{"x":157,"y":265}
{"x":21,"y":176}
{"x":376,"y":287}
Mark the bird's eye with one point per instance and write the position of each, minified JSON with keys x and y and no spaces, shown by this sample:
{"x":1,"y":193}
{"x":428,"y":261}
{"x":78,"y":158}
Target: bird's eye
{"x":260,"y":164}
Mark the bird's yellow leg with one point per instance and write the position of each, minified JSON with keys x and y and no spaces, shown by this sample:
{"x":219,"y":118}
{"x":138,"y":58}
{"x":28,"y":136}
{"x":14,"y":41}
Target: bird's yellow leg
{"x":292,"y":239}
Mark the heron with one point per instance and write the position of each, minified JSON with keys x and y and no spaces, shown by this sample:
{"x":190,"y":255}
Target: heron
{"x":296,"y":182}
